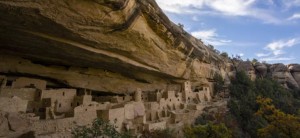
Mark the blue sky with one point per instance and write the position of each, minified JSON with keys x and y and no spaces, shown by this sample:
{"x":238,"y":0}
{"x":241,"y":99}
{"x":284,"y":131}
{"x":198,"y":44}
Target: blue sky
{"x":268,"y":30}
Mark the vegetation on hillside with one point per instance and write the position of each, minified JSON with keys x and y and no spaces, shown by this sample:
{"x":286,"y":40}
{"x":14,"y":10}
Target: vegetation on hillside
{"x":219,"y":83}
{"x":102,"y":128}
{"x":207,"y":131}
{"x":248,"y":107}
{"x":98,"y":128}
{"x":261,"y":108}
{"x":279,"y":124}
{"x":158,"y":133}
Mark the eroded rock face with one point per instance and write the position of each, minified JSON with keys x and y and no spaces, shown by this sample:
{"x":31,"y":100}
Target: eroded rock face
{"x":294,"y":67}
{"x":248,"y":67}
{"x":230,"y":70}
{"x":132,"y":38}
{"x":295,"y":71}
{"x":203,"y":70}
{"x":17,"y":123}
{"x":288,"y":76}
{"x":279,"y":67}
{"x":281,"y":73}
{"x":261,"y":69}
{"x":4,"y":129}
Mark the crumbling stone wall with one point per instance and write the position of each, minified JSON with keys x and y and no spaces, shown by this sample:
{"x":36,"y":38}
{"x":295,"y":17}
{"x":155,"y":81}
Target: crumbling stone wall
{"x":14,"y":104}
{"x":23,"y":82}
{"x":114,"y":116}
{"x":30,"y":94}
{"x":62,"y":99}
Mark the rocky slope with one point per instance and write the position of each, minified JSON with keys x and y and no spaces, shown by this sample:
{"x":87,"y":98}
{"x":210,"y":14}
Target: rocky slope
{"x":110,"y":46}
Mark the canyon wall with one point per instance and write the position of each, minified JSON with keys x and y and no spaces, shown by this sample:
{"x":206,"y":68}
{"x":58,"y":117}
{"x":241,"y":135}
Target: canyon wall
{"x":110,"y":46}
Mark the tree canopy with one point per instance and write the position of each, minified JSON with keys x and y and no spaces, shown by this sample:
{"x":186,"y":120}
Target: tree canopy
{"x":246,"y":109}
{"x":279,"y":124}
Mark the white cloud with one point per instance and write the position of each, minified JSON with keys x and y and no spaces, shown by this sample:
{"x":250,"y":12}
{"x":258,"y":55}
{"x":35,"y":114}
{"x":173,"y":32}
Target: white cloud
{"x":236,"y":8}
{"x":218,"y":7}
{"x":276,"y":50}
{"x":210,"y":37}
{"x":241,"y":54}
{"x":294,"y":16}
{"x":205,"y":34}
{"x":195,"y":18}
{"x":271,"y":59}
{"x":179,"y":6}
{"x":263,"y":54}
{"x":270,"y":2}
{"x":277,"y":47}
{"x":280,"y":44}
{"x":291,"y":3}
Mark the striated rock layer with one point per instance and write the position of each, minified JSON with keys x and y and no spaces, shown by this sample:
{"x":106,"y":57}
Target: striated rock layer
{"x":131,"y":40}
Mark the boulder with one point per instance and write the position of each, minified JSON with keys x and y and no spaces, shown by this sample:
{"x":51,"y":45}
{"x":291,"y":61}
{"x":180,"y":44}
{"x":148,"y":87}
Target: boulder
{"x":294,"y":67}
{"x":279,"y":67}
{"x":245,"y":66}
{"x":4,"y":129}
{"x":295,"y":71}
{"x":291,"y":81}
{"x":281,"y":73}
{"x":261,"y":69}
{"x":248,"y":68}
{"x":296,"y":76}
{"x":17,"y":123}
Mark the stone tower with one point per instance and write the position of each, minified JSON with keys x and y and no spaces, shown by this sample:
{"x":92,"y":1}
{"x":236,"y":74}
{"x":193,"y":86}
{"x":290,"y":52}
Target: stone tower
{"x":187,"y":86}
{"x":187,"y":89}
{"x":138,"y":95}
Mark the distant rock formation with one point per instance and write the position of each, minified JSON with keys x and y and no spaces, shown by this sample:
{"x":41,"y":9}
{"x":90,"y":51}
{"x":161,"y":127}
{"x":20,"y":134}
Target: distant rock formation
{"x":287,"y":75}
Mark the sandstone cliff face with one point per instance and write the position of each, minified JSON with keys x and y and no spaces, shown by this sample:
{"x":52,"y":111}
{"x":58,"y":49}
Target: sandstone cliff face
{"x":248,"y":67}
{"x":294,"y":69}
{"x":261,"y":69}
{"x":131,"y":40}
{"x":281,"y":73}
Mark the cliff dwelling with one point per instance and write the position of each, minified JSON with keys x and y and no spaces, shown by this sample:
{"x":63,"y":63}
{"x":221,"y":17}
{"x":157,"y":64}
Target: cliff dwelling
{"x":59,"y":110}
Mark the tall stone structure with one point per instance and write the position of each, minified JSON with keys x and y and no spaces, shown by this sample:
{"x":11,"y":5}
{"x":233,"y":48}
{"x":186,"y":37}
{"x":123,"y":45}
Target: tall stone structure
{"x":138,"y":95}
{"x":186,"y":91}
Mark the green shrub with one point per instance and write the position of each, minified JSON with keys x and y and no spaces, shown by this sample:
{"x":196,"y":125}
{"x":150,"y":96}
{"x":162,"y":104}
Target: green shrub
{"x":98,"y":128}
{"x":207,"y":131}
{"x":219,"y":83}
{"x":159,"y":133}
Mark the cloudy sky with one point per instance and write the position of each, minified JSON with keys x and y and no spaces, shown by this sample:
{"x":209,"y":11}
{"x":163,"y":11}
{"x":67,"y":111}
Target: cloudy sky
{"x":268,"y":30}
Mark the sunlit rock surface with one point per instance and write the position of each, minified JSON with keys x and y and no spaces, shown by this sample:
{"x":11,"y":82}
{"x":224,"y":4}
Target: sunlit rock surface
{"x":132,"y":41}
